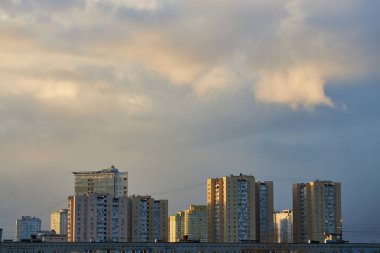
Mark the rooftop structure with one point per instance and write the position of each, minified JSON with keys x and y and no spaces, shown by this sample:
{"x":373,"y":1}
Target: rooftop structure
{"x":107,"y":181}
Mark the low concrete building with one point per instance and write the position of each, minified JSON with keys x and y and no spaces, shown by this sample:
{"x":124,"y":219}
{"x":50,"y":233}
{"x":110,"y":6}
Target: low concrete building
{"x":36,"y":247}
{"x":51,"y":236}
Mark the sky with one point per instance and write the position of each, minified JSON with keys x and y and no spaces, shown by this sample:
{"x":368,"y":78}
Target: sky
{"x":175,"y":92}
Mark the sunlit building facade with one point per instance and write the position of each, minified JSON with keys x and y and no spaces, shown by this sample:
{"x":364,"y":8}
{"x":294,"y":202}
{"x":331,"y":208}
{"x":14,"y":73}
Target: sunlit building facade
{"x":176,"y":226}
{"x":196,"y":221}
{"x":108,"y":181}
{"x":317,"y":211}
{"x":283,"y":226}
{"x":59,"y":222}
{"x":231,"y":208}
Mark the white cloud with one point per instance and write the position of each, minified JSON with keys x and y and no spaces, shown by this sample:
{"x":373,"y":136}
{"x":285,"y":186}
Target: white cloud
{"x":288,"y":59}
{"x":213,"y":82}
{"x":135,"y":104}
{"x":295,"y":86}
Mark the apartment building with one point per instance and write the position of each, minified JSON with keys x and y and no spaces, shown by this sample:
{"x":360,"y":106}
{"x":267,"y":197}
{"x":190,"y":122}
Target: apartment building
{"x":195,"y":223}
{"x":26,"y":227}
{"x":231,"y":208}
{"x":97,"y":217}
{"x":264,"y":211}
{"x":148,"y":218}
{"x":283,"y":226}
{"x":317,"y":211}
{"x":59,"y":222}
{"x":176,"y":226}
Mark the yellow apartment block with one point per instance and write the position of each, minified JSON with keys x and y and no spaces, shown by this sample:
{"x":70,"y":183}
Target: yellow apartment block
{"x":196,"y":223}
{"x":176,"y":227}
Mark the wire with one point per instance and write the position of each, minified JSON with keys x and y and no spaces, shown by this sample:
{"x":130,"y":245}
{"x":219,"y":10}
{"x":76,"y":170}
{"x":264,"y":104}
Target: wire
{"x":52,"y":207}
{"x":361,"y":231}
{"x":179,"y":189}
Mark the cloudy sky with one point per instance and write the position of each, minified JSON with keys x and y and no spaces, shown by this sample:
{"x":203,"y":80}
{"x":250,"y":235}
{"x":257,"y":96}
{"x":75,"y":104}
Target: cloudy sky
{"x":176,"y":91}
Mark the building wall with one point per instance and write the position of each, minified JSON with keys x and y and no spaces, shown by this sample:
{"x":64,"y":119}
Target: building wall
{"x":15,"y":247}
{"x":160,"y":219}
{"x":283,"y":226}
{"x":97,"y":218}
{"x":264,"y":211}
{"x":149,"y":219}
{"x":176,"y":224}
{"x":317,"y":210}
{"x":59,"y":222}
{"x":108,"y":181}
{"x":231,"y":209}
{"x":196,"y":221}
{"x":26,"y":227}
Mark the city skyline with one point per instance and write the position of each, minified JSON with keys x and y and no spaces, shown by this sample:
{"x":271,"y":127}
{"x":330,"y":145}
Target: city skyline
{"x":112,"y":170}
{"x":175,"y":92}
{"x":256,"y":213}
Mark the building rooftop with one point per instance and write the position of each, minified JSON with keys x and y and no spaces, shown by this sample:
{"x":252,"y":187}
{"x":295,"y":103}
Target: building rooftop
{"x":112,"y":170}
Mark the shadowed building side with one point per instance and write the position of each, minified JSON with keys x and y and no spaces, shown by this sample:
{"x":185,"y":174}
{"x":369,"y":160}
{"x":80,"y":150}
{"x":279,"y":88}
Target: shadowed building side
{"x":264,"y":212}
{"x":26,"y":227}
{"x":148,"y":219}
{"x":97,"y":218}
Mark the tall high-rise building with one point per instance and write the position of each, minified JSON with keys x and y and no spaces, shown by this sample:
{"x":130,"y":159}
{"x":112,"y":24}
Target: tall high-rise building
{"x":26,"y":227}
{"x":264,"y":211}
{"x":231,"y":208}
{"x":58,"y":222}
{"x":97,"y":218}
{"x":283,"y":226}
{"x":195,"y":223}
{"x":108,"y":181}
{"x":176,"y":226}
{"x":149,"y":219}
{"x":317,"y":211}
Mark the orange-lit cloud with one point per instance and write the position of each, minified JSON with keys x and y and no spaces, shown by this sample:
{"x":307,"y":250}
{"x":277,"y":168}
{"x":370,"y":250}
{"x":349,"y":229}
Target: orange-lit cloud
{"x":281,"y":47}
